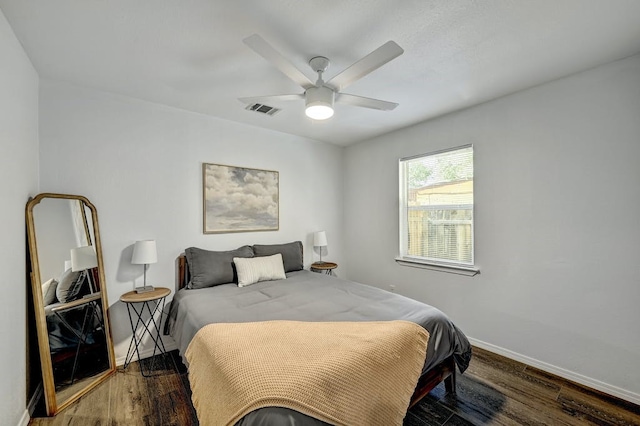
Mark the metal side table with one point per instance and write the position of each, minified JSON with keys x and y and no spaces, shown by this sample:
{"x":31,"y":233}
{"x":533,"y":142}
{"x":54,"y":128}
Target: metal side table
{"x":151,"y":302}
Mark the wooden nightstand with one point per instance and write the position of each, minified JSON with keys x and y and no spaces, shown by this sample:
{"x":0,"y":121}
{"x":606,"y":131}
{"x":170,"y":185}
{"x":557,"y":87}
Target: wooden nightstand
{"x":152,"y":302}
{"x":326,"y":267}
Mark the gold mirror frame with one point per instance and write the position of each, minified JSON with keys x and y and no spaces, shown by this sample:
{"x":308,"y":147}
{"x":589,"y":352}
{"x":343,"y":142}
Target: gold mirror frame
{"x":53,"y":406}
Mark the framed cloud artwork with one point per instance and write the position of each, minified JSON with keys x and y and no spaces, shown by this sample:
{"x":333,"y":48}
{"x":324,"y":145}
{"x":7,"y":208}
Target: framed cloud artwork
{"x":239,"y":199}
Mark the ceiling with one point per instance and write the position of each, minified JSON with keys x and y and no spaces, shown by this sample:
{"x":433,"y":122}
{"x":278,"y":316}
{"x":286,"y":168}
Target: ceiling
{"x":190,"y":55}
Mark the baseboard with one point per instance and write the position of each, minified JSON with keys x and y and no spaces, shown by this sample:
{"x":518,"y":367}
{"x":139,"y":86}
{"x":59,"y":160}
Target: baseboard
{"x":31,"y":405}
{"x":560,"y":372}
{"x":147,"y":353}
{"x":24,"y":420}
{"x":33,"y":401}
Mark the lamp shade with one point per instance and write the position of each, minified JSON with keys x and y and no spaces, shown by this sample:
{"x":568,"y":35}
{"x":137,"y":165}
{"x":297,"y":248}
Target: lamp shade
{"x":320,"y":239}
{"x":83,"y":258}
{"x":144,"y":252}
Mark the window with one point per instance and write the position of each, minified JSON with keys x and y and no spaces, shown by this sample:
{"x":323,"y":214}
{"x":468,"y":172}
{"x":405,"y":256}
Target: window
{"x":436,"y":208}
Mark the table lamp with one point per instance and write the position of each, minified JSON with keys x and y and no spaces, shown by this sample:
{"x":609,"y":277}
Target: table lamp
{"x":320,"y":240}
{"x":144,"y":253}
{"x":82,"y":259}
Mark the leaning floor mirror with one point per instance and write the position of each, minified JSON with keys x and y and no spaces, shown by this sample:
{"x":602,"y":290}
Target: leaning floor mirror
{"x":69,"y":297}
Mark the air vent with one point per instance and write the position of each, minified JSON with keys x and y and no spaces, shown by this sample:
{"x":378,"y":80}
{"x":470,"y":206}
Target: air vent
{"x":263,"y":109}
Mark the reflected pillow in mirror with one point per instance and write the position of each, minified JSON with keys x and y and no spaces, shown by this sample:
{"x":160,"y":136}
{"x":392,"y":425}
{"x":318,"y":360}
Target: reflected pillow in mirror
{"x":49,"y":291}
{"x":256,"y":269}
{"x":69,"y":285}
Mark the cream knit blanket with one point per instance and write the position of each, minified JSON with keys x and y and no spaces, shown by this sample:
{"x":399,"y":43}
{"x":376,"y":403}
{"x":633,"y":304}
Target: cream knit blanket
{"x":344,"y":373}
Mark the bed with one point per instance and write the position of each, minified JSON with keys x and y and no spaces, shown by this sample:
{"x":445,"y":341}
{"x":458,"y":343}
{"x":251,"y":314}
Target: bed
{"x":303,"y":296}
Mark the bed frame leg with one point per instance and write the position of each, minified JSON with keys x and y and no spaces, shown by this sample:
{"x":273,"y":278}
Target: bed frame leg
{"x":450,"y":382}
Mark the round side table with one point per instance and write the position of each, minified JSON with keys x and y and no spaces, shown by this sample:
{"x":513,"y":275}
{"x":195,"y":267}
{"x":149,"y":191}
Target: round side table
{"x":151,"y":302}
{"x":326,"y":267}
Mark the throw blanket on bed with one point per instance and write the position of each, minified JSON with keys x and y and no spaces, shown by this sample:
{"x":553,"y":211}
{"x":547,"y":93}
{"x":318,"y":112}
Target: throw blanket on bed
{"x":344,"y":373}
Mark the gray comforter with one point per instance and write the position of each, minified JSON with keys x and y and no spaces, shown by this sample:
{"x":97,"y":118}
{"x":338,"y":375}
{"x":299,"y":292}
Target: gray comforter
{"x":309,"y":296}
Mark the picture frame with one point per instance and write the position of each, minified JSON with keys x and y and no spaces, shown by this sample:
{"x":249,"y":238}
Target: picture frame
{"x":239,"y":199}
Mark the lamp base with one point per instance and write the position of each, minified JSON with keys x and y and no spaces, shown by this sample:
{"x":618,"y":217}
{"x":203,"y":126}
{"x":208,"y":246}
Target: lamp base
{"x":144,"y":289}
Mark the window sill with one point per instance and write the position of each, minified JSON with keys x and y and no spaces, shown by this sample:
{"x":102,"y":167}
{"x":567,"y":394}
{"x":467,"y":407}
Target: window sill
{"x":468,"y":271}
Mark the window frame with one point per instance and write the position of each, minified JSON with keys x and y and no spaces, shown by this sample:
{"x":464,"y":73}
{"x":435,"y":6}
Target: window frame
{"x":405,"y":259}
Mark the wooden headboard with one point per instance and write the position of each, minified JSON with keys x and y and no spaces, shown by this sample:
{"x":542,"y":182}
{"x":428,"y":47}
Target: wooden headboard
{"x":183,"y":271}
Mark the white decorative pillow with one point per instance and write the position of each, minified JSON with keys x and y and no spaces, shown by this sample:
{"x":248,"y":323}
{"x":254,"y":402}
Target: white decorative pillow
{"x":49,"y":291}
{"x":254,"y":269}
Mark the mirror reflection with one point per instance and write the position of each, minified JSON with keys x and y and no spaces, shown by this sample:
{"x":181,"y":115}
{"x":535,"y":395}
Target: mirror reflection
{"x":73,"y":334}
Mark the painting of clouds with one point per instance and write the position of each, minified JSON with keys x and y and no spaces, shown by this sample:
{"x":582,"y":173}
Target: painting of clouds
{"x":238,"y":199}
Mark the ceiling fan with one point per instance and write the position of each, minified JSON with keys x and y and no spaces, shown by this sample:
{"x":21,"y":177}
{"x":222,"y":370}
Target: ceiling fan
{"x":320,"y":96}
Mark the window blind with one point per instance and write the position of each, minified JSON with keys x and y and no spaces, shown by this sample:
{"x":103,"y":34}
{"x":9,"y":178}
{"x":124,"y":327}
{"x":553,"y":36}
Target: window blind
{"x":436,"y":206}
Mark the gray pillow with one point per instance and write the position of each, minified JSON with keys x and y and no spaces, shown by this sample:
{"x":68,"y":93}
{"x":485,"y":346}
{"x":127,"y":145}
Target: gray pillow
{"x":69,"y":285}
{"x":292,"y":255}
{"x":211,"y":268}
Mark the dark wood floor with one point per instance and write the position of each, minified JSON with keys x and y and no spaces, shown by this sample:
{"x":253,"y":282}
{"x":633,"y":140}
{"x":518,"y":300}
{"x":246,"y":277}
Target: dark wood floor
{"x":493,"y":391}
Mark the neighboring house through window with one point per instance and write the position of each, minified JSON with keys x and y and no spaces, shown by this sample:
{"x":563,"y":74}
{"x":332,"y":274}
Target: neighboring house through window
{"x":436,"y":208}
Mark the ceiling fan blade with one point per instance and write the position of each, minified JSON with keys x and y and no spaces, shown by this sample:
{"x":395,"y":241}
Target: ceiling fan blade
{"x":374,"y":60}
{"x":264,"y":49}
{"x":270,"y":98}
{"x":354,"y":100}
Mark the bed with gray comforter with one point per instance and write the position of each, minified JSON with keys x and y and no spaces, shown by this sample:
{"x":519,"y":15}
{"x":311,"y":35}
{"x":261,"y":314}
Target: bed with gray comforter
{"x":309,"y":296}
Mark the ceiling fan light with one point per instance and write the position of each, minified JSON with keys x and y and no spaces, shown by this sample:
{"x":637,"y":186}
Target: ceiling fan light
{"x":319,"y":103}
{"x":319,"y":112}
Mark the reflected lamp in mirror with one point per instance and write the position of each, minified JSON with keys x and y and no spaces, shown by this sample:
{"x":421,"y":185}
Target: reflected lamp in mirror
{"x":83,"y":259}
{"x":144,"y":253}
{"x":320,"y":240}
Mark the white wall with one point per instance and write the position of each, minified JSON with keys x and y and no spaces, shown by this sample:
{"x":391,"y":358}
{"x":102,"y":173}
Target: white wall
{"x":557,"y":191}
{"x":18,"y":181}
{"x":140,"y":164}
